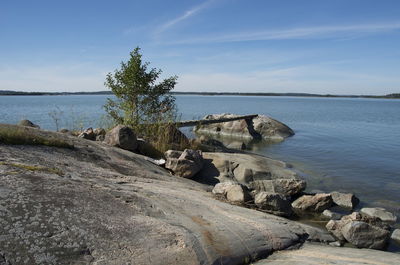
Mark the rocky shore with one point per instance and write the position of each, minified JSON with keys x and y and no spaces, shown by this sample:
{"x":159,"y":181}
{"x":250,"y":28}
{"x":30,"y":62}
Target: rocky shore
{"x":103,"y":200}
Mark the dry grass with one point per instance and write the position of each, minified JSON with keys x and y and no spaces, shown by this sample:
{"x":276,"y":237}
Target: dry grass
{"x":24,"y":136}
{"x":33,"y":168}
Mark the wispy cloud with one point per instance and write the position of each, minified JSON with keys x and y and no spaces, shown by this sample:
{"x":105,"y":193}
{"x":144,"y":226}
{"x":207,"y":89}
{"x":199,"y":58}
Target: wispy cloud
{"x":187,"y":14}
{"x":340,"y":31}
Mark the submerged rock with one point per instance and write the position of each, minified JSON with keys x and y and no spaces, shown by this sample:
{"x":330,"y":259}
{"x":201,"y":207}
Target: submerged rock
{"x":330,"y":215}
{"x":123,"y":137}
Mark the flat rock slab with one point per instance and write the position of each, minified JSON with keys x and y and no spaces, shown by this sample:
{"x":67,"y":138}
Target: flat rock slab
{"x":104,"y":205}
{"x":243,"y":168}
{"x":312,"y":254}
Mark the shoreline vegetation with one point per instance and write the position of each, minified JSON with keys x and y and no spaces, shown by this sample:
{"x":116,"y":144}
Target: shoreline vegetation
{"x":21,"y":93}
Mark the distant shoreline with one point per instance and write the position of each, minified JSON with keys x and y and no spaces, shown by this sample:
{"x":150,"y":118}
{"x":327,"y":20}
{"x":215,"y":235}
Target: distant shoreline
{"x":18,"y":93}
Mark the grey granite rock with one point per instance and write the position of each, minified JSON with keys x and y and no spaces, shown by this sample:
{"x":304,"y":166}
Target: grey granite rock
{"x":380,"y":213}
{"x":274,"y":203}
{"x":313,"y":203}
{"x":188,"y":164}
{"x":364,"y":235}
{"x":123,"y":137}
{"x":312,"y":254}
{"x":97,"y":204}
{"x":346,"y":200}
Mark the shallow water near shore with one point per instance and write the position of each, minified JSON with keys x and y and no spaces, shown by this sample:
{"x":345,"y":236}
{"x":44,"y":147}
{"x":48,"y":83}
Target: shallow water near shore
{"x":343,"y":144}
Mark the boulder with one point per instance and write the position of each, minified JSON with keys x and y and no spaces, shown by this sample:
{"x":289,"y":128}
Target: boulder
{"x":274,"y":203}
{"x":222,"y":187}
{"x":345,"y":200}
{"x":188,"y":164}
{"x":270,"y":128}
{"x":237,"y":194}
{"x":364,"y":235}
{"x":360,"y":230}
{"x":28,"y":123}
{"x":63,"y":130}
{"x":287,"y":187}
{"x":313,"y":203}
{"x":88,"y":134}
{"x":170,"y":154}
{"x":396,"y":235}
{"x":257,"y":128}
{"x":123,"y":137}
{"x":238,"y":128}
{"x":380,"y":213}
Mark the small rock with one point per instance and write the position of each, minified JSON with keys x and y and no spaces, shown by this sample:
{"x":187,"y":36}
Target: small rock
{"x":313,"y":203}
{"x":236,"y":145}
{"x":396,"y":235}
{"x":346,"y":200}
{"x":99,"y":131}
{"x":189,"y":163}
{"x":172,"y":154}
{"x":274,"y":203}
{"x":364,"y":235}
{"x":331,"y":215}
{"x":123,"y":137}
{"x":28,"y":123}
{"x":88,"y":134}
{"x":63,"y":130}
{"x":222,"y":187}
{"x":335,"y":244}
{"x":238,"y":194}
{"x":380,"y":213}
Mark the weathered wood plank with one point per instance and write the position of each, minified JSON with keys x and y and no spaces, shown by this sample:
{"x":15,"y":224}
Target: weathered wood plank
{"x":205,"y":121}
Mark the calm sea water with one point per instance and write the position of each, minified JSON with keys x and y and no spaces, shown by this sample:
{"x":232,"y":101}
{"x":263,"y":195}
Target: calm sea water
{"x":350,"y":145}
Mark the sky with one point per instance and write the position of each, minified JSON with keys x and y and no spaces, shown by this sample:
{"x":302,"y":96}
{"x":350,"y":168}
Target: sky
{"x":311,"y":46}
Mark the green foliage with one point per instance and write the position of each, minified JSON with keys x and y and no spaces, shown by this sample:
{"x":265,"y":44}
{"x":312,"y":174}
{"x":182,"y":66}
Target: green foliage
{"x":140,"y":101}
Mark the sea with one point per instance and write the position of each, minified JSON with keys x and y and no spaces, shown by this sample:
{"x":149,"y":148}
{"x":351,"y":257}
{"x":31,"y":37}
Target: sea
{"x":340,"y":144}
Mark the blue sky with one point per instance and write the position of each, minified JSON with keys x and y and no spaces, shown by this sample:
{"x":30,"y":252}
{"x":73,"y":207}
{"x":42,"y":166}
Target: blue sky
{"x":312,"y":46}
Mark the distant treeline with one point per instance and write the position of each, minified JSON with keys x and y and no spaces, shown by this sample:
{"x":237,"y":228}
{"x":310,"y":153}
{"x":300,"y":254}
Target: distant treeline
{"x":18,"y":93}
